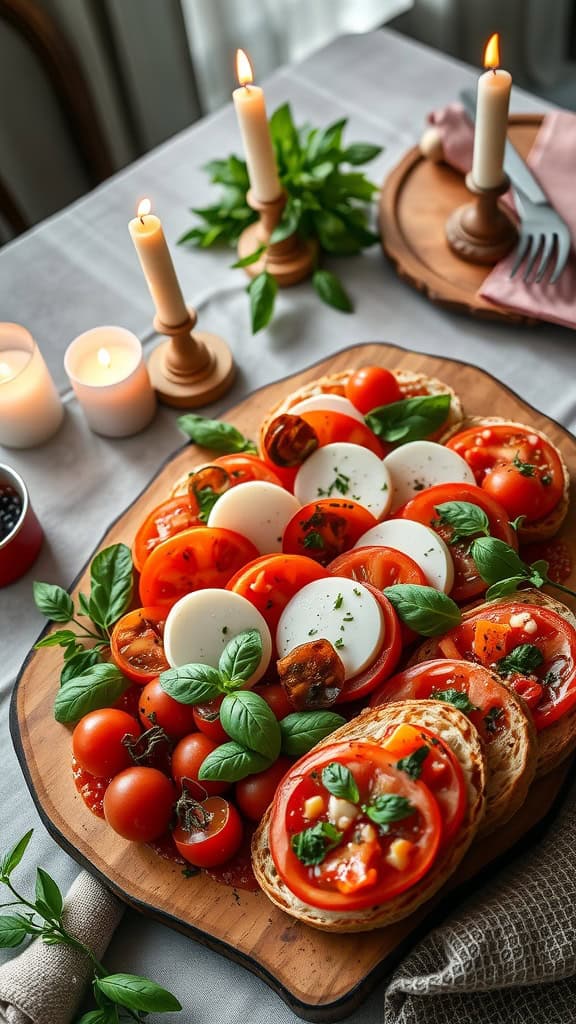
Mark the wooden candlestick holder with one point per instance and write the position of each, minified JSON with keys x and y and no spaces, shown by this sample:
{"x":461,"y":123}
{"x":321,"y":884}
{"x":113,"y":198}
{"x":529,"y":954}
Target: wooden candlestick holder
{"x":480,"y":231}
{"x":290,"y":260}
{"x":191,"y":368}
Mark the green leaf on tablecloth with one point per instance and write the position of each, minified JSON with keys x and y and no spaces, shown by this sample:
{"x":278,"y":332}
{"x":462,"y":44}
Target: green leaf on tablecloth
{"x":135,"y":993}
{"x":97,"y":687}
{"x":49,"y":901}
{"x":289,"y":221}
{"x":332,"y":291}
{"x":325,"y":141}
{"x":13,"y":930}
{"x":253,"y":257}
{"x":54,"y":602}
{"x":106,"y":1015}
{"x":12,"y":859}
{"x":112,"y":580}
{"x":262,"y":291}
{"x":215,"y":434}
{"x":360,"y":153}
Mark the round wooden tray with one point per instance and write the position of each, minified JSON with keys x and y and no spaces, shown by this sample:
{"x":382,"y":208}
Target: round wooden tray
{"x":415,"y":202}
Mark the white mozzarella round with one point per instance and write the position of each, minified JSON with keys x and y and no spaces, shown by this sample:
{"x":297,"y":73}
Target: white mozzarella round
{"x":418,"y":465}
{"x":420,"y":542}
{"x":345,"y":470}
{"x":258,"y":510}
{"x":327,"y":403}
{"x":200,"y":625}
{"x":339,"y":610}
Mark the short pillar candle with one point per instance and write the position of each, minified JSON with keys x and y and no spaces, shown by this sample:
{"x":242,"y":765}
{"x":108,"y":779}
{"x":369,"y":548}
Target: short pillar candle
{"x":30,"y":407}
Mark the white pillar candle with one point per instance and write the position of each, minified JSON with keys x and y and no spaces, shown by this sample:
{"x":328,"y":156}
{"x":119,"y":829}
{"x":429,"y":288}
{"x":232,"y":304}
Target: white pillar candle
{"x":156,"y":262}
{"x":110,"y":380}
{"x":30,"y":407}
{"x":250,"y":107}
{"x":492,"y":103}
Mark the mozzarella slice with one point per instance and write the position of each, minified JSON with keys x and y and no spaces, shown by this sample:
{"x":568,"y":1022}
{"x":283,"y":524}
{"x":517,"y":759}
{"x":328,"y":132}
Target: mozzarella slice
{"x":258,"y":510}
{"x":345,"y":470}
{"x":421,"y":543}
{"x":421,"y":464}
{"x":339,"y":610}
{"x":327,"y":403}
{"x":200,"y":625}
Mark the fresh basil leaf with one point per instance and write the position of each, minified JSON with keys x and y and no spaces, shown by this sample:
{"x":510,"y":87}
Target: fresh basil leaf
{"x":312,"y":845}
{"x":136,"y":993}
{"x":241,"y":656}
{"x":206,"y":498}
{"x":48,"y":896}
{"x":54,"y":602}
{"x":332,"y":291}
{"x":262,"y":291}
{"x":464,"y":518}
{"x":360,"y":153}
{"x":12,"y":859}
{"x":112,"y":580}
{"x":414,"y":762}
{"x":247,"y":718}
{"x":215,"y":434}
{"x":496,"y":560}
{"x":282,"y":127}
{"x":232,"y":171}
{"x":388,"y":807}
{"x":324,"y":141}
{"x":339,"y":781}
{"x":427,"y":611}
{"x":334,"y":234}
{"x":84,"y":604}
{"x":231,"y":762}
{"x":302,"y":730}
{"x":457,"y":698}
{"x":105,"y":1015}
{"x":192,"y":684}
{"x":289,"y":222}
{"x":79,"y":662}
{"x":13,"y":931}
{"x":504,"y":587}
{"x":96,"y":687}
{"x":410,"y":419}
{"x":253,"y":257}
{"x":524,"y":659}
{"x":61,"y":638}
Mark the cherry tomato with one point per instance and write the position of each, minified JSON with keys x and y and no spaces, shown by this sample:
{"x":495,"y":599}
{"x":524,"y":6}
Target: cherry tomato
{"x":255,"y":793}
{"x":521,"y":493}
{"x":217,"y":836}
{"x":467,"y":581}
{"x":164,"y":521}
{"x":324,"y":529}
{"x":372,"y":386}
{"x":97,"y":741}
{"x":187,"y":758}
{"x":138,"y":804}
{"x":381,"y":566}
{"x":156,"y":707}
{"x":207,"y":720}
{"x":270,"y":582}
{"x":137,"y":644}
{"x":355,"y":874}
{"x":361,"y":685}
{"x":202,"y":557}
{"x":275,"y":696}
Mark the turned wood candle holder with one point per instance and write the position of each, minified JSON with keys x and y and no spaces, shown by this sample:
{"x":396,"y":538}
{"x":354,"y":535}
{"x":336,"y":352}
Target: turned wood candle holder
{"x":480,"y":231}
{"x":290,"y":260}
{"x":191,"y":368}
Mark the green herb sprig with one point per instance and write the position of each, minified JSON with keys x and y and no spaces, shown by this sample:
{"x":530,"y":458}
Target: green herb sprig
{"x":425,"y":610}
{"x":215,"y":434}
{"x":505,"y":572}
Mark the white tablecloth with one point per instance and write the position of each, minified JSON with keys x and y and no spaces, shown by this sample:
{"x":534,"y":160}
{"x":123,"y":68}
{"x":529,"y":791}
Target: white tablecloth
{"x":78,"y":270}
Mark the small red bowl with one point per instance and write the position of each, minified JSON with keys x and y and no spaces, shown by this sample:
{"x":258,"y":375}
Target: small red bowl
{"x":21,"y":546}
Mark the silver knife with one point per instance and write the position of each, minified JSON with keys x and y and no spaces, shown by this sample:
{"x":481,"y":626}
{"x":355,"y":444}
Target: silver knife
{"x":514,"y":165}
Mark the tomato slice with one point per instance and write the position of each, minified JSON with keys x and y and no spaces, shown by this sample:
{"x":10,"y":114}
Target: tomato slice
{"x":270,"y":582}
{"x":359,"y":871}
{"x":467,"y":581}
{"x":164,"y":521}
{"x":244,"y":468}
{"x":423,"y":681}
{"x":555,"y":638}
{"x":380,"y":566}
{"x":208,"y":482}
{"x":516,"y":466}
{"x":361,"y":685}
{"x":331,"y":427}
{"x":137,"y":644}
{"x":203,"y":557}
{"x":326,"y":528}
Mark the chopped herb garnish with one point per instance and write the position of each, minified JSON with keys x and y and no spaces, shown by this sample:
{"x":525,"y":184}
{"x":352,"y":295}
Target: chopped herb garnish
{"x":313,"y":540}
{"x":413,"y":763}
{"x":224,"y":630}
{"x":523,"y":659}
{"x":348,"y":618}
{"x":457,"y":698}
{"x":312,"y":632}
{"x":312,"y":845}
{"x":341,"y":483}
{"x":357,"y":592}
{"x":524,"y":468}
{"x":338,"y":602}
{"x":339,"y":643}
{"x":388,"y":807}
{"x":339,"y":781}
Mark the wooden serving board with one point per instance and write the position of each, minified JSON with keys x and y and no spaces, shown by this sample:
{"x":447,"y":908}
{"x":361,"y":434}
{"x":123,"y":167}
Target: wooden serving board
{"x":415,"y":202}
{"x":321,"y":976}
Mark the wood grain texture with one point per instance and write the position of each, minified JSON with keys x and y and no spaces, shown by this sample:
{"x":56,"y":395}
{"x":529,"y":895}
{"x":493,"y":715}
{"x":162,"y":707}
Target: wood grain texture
{"x":415,"y":202}
{"x":322,"y":976}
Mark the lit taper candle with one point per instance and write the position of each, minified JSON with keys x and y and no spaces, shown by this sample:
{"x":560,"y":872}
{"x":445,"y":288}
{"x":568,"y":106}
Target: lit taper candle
{"x":492,"y":103}
{"x":148,"y":237}
{"x":250,"y":105}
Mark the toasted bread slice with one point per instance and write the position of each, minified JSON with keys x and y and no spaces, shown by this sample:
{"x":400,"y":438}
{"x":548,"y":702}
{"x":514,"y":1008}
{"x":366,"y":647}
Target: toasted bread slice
{"x":557,"y":742}
{"x":459,"y":733}
{"x":538,"y":529}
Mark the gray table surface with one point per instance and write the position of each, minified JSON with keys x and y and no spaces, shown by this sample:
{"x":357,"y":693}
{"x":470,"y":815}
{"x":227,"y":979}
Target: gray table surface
{"x":79,"y":269}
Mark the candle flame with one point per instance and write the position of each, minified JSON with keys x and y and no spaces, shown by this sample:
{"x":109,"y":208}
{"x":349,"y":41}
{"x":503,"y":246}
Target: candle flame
{"x":492,"y":52}
{"x":144,"y":207}
{"x":243,"y":68}
{"x":5,"y":372}
{"x":104,"y":357}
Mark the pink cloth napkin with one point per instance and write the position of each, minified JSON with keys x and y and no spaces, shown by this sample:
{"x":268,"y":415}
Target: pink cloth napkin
{"x":552,"y":160}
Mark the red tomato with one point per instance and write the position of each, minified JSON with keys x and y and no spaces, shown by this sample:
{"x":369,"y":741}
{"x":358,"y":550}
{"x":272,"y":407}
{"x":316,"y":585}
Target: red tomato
{"x":216,"y":837}
{"x":214,"y":478}
{"x":164,"y":521}
{"x":372,"y":386}
{"x":361,"y":685}
{"x":353,"y":875}
{"x":381,"y":566}
{"x":202,"y":557}
{"x":245,"y":468}
{"x":271,"y":581}
{"x":324,"y":529}
{"x":535,"y":483}
{"x":331,"y":427}
{"x":137,"y":644}
{"x":275,"y":696}
{"x":97,"y":741}
{"x":138,"y":804}
{"x":187,"y":758}
{"x":207,"y":720}
{"x":467,"y":581}
{"x":255,"y":793}
{"x":156,"y":707}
